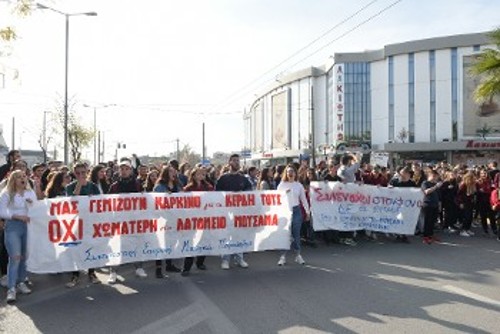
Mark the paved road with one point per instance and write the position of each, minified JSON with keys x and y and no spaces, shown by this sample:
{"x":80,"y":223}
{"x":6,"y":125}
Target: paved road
{"x":376,"y":287}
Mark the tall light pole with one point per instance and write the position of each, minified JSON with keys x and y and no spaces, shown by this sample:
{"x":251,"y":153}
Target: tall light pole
{"x":96,"y":154}
{"x":66,"y":16}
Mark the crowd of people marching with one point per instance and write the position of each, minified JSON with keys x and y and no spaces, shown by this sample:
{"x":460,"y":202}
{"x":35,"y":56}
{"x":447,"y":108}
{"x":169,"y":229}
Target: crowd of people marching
{"x":455,"y":198}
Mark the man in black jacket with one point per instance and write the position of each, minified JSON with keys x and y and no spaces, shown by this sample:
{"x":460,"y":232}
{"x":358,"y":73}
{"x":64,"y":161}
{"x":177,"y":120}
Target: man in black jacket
{"x":126,"y":183}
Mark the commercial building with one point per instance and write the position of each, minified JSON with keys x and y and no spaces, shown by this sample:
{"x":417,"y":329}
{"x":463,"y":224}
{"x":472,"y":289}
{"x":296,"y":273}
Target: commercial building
{"x":413,"y":100}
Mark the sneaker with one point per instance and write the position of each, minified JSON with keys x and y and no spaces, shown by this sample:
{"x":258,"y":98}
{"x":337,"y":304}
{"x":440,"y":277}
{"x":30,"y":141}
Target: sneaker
{"x":464,"y":234}
{"x":427,"y":240}
{"x":451,"y":230}
{"x":139,"y":272}
{"x":74,"y":281}
{"x":469,"y":232}
{"x":112,"y":277}
{"x":299,"y":259}
{"x":498,"y":238}
{"x":350,"y":242}
{"x":282,"y":260}
{"x":242,"y":263}
{"x":11,"y":296}
{"x":93,"y":278}
{"x":172,"y":269}
{"x":4,"y":281}
{"x":224,"y":265}
{"x":22,"y":288}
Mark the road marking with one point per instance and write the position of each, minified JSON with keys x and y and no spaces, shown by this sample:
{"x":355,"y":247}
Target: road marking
{"x":177,"y":322}
{"x":201,"y":309}
{"x":471,"y":295}
{"x":321,"y":269}
{"x":123,"y":289}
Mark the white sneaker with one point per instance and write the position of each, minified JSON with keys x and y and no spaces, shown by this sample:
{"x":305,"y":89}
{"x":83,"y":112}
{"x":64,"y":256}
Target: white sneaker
{"x":139,"y":272}
{"x":11,"y":296}
{"x":299,"y":259}
{"x":112,"y":277}
{"x":470,"y":233}
{"x":242,"y":263}
{"x":23,"y":288}
{"x":224,"y":265}
{"x":4,"y":281}
{"x":282,"y":260}
{"x":451,"y":230}
{"x":464,"y":234}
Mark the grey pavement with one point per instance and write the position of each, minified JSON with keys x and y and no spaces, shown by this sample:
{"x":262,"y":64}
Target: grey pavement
{"x":376,"y":287}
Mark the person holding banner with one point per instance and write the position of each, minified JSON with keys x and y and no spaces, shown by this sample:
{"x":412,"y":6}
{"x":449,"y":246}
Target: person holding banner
{"x":126,"y":183}
{"x":347,"y":173}
{"x":430,"y":207}
{"x":82,"y":187}
{"x":403,"y":181}
{"x":15,"y":201}
{"x":196,"y":182}
{"x":297,"y":196}
{"x":233,"y":181}
{"x":168,"y":182}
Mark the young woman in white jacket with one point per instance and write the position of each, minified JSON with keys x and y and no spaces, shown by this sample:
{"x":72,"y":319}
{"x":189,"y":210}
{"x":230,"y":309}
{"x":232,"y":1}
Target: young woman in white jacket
{"x":296,"y":196}
{"x":15,"y":201}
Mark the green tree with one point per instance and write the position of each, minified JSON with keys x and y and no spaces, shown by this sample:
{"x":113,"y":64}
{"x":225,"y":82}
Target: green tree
{"x":21,"y":8}
{"x":79,"y":135}
{"x":487,"y":64}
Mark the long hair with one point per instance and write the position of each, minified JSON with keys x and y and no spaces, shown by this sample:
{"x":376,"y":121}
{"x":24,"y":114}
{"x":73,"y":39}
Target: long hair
{"x":149,"y":183}
{"x":192,"y":177}
{"x":264,"y":176}
{"x":165,"y":176}
{"x":284,"y":176}
{"x":55,"y":186}
{"x":469,"y":182}
{"x":11,"y":184}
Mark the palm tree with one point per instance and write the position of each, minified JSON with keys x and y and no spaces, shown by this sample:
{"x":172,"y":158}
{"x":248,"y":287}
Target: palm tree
{"x":488,"y":64}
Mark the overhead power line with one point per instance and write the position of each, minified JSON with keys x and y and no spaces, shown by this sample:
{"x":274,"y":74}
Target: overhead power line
{"x":245,"y":89}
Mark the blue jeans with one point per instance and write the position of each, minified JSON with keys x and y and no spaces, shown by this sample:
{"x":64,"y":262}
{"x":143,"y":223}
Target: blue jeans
{"x":296,"y":227}
{"x":16,"y":233}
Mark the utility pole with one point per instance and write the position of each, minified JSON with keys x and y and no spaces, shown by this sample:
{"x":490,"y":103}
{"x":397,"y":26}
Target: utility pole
{"x":99,"y":145}
{"x":13,"y":133}
{"x":103,"y":148}
{"x":178,"y":150}
{"x":203,"y":156}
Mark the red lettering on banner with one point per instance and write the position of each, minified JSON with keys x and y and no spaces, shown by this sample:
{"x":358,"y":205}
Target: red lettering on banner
{"x":270,"y":199}
{"x":201,"y":223}
{"x":106,"y":230}
{"x":118,"y":204}
{"x":255,"y":221}
{"x":238,"y":200}
{"x":340,"y":196}
{"x":180,"y":202}
{"x":64,"y":230}
{"x":64,"y":208}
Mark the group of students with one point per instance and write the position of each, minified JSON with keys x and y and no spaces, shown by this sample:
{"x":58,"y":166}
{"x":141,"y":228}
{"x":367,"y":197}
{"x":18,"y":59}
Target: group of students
{"x":453,"y":198}
{"x":21,"y":187}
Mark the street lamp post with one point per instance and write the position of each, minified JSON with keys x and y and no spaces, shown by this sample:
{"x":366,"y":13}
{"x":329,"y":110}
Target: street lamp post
{"x":96,"y":152}
{"x":66,"y":16}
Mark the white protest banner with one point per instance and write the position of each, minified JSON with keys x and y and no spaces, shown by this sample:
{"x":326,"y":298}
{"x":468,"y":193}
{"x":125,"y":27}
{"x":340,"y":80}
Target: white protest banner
{"x":72,"y":233}
{"x":351,"y":207}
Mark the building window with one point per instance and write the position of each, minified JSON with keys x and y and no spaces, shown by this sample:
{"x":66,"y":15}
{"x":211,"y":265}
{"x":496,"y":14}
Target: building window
{"x":432,"y":76}
{"x":357,"y":97}
{"x":391,"y":98}
{"x":454,"y":94}
{"x":411,"y":97}
{"x":476,"y":48}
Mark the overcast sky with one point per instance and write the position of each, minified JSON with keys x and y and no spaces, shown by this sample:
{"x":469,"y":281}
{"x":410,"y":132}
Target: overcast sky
{"x":167,"y":66}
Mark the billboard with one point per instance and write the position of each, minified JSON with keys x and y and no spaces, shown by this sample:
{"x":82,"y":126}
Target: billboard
{"x":280,"y":120}
{"x":479,"y":119}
